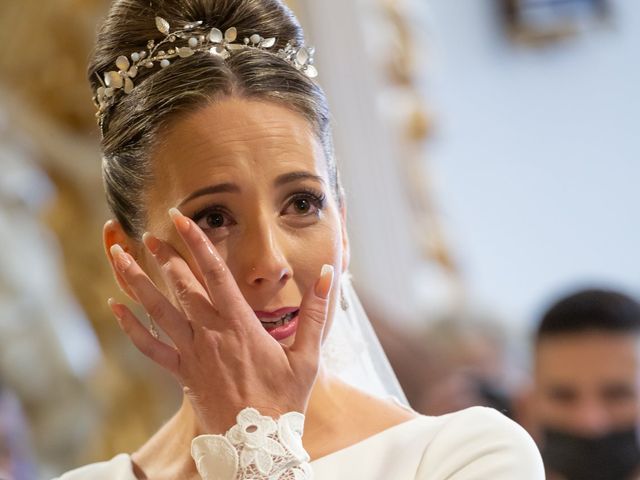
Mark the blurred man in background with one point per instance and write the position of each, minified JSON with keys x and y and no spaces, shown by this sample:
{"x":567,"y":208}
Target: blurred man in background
{"x":584,"y":407}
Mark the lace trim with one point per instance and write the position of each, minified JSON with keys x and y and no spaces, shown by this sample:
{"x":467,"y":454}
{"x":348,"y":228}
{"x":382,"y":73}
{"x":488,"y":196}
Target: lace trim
{"x":256,"y":448}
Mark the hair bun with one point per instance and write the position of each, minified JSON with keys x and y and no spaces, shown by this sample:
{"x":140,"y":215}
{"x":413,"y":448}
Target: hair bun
{"x":130,"y":24}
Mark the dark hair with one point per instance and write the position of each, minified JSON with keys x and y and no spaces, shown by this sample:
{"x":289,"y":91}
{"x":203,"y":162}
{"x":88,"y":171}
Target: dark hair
{"x":591,"y":310}
{"x":132,"y":125}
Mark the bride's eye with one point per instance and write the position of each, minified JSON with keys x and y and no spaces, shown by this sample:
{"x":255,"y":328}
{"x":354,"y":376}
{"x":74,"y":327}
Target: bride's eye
{"x":302,"y":205}
{"x":305,"y":203}
{"x":213,"y":218}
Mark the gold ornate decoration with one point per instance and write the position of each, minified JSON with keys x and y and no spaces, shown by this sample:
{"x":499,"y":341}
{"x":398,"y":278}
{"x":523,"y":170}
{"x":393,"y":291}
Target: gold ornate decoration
{"x":417,"y":127}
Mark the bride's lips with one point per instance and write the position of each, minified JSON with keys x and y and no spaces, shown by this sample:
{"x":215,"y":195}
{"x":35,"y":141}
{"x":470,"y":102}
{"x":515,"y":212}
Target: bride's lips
{"x":283,"y":331}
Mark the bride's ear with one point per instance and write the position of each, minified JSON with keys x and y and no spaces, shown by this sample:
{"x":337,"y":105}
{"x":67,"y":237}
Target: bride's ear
{"x":346,"y":251}
{"x":112,"y":234}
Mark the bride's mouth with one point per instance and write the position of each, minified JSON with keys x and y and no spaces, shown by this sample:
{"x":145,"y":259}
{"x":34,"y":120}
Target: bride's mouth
{"x":281,"y":323}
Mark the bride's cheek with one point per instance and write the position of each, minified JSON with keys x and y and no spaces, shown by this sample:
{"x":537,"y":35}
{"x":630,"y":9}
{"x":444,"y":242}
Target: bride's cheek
{"x":149,"y":266}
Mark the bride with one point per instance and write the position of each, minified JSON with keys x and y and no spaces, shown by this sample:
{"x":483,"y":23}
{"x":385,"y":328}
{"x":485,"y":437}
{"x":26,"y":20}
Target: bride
{"x":229,"y":232}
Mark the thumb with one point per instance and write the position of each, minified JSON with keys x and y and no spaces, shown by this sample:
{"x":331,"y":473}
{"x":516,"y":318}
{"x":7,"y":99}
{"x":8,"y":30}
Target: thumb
{"x":312,"y":317}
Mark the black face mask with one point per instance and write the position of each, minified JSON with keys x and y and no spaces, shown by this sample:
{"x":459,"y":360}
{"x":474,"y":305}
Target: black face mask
{"x":614,"y":456}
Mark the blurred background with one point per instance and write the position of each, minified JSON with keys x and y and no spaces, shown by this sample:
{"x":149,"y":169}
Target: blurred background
{"x":490,"y":154}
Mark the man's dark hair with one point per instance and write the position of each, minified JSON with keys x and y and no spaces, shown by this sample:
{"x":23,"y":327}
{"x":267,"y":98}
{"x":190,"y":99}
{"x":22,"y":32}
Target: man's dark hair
{"x":591,"y":310}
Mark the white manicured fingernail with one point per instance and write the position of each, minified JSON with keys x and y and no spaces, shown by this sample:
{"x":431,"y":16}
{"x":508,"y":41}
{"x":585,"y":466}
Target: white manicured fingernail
{"x":180,"y":221}
{"x":120,"y":258}
{"x":323,"y":286}
{"x":326,"y":268}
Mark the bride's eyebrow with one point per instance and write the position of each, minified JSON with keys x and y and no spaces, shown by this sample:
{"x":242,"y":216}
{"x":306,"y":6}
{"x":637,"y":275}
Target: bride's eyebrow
{"x":211,"y":189}
{"x":293,"y":176}
{"x":233,"y":188}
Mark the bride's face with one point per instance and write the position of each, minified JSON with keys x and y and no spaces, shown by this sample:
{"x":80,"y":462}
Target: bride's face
{"x":254,"y":177}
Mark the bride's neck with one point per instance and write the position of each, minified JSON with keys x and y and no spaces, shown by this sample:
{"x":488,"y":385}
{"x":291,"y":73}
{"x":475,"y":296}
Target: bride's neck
{"x":327,"y":405}
{"x":167,"y":454}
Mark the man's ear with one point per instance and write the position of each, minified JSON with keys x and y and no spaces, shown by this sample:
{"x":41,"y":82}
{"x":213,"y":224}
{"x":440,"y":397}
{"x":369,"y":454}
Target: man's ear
{"x":112,"y":234}
{"x":346,"y":251}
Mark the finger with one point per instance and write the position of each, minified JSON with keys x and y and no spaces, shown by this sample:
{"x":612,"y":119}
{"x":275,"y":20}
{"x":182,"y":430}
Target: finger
{"x":222,"y":287}
{"x":153,"y":301}
{"x":188,"y":291}
{"x":312,"y":319}
{"x":161,"y":353}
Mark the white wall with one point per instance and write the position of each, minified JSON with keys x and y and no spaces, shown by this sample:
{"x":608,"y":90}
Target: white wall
{"x":383,"y":255}
{"x":537,"y":155}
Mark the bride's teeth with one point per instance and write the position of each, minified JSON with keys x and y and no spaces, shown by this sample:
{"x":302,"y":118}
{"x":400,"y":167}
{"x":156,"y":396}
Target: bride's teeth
{"x":286,"y":318}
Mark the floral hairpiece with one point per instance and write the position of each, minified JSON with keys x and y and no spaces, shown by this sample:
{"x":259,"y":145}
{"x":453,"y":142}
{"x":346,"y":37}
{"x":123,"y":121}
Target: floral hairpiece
{"x":191,"y":38}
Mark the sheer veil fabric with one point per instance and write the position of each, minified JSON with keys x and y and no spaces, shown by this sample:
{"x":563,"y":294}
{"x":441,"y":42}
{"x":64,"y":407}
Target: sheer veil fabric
{"x":353,"y":352}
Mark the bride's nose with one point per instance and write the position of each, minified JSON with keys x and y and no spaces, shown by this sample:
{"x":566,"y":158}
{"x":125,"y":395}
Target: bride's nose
{"x":265,"y":256}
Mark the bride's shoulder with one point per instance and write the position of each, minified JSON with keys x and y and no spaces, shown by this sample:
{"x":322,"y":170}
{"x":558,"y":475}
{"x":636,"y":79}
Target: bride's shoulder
{"x":482,"y":440}
{"x":477,"y":422}
{"x":118,"y":468}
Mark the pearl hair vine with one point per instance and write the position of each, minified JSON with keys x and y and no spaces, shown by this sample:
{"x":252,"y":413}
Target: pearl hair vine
{"x":191,"y":38}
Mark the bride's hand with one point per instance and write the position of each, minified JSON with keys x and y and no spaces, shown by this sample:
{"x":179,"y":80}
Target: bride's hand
{"x":221,"y":354}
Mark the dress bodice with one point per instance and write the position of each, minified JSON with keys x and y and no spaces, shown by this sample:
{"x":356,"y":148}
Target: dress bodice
{"x":476,"y":443}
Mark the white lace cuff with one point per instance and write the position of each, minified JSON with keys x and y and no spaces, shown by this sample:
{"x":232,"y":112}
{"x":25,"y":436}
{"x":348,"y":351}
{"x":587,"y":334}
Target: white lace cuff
{"x":256,"y":448}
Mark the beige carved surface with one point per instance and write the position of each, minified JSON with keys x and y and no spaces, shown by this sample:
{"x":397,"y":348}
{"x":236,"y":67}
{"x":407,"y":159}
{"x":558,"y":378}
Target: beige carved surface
{"x":45,"y":48}
{"x":403,"y":62}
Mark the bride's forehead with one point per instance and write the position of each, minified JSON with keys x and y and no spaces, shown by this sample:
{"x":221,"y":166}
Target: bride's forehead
{"x":241,"y":170}
{"x":236,"y":137}
{"x":237,"y":123}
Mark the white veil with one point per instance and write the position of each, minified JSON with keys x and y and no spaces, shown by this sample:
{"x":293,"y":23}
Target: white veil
{"x":352,"y":351}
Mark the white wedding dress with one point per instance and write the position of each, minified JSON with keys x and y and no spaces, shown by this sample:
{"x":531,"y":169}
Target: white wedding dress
{"x":474,"y":444}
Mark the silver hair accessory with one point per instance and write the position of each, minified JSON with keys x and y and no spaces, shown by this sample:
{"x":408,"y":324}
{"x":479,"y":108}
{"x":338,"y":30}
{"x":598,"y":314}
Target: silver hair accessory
{"x":191,"y":38}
